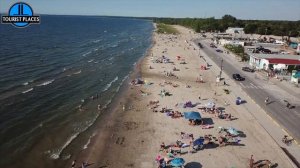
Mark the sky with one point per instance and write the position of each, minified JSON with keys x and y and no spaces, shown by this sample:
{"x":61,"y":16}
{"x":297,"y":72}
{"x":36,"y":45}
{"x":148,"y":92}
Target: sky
{"x":241,"y":9}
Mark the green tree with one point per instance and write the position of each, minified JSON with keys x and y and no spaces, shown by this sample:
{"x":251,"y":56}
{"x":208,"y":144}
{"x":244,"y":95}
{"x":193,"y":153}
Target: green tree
{"x":250,"y":28}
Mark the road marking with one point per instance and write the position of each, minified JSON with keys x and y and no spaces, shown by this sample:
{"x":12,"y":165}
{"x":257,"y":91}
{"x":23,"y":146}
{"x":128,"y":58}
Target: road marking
{"x":260,"y":87}
{"x":253,"y":85}
{"x":242,"y":84}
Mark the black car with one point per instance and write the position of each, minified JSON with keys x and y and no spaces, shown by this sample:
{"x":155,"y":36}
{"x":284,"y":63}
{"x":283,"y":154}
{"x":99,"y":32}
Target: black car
{"x":218,"y":50}
{"x":238,"y":77}
{"x":247,"y":69}
{"x":266,"y":51}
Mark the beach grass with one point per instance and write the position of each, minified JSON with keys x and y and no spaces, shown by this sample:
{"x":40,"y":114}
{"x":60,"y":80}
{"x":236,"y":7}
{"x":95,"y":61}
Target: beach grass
{"x":166,"y":29}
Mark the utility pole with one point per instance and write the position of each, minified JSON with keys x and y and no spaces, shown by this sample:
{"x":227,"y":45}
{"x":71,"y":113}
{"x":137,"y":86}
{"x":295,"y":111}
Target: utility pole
{"x":221,"y":68}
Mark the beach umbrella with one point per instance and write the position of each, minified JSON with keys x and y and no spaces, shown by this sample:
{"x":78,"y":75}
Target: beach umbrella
{"x":198,"y":141}
{"x":193,"y":115}
{"x":177,"y":162}
{"x":232,"y":131}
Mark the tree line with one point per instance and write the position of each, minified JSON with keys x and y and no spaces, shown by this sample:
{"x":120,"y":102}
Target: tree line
{"x":263,"y":27}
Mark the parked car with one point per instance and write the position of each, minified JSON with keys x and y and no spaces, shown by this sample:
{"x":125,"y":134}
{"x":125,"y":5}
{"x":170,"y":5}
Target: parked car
{"x":266,"y":51}
{"x":238,"y":77}
{"x":247,"y":69}
{"x":212,"y":45}
{"x":218,"y":50}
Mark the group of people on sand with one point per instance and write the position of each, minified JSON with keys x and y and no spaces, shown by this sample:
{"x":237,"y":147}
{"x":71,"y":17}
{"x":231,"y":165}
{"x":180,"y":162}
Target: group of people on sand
{"x":187,"y":140}
{"x":169,"y":152}
{"x":218,"y":113}
{"x":174,"y":114}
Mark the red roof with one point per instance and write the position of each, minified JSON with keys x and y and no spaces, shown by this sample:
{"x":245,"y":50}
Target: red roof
{"x":283,"y":61}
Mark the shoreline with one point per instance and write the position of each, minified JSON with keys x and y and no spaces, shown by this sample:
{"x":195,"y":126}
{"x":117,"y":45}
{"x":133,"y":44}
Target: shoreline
{"x":107,"y":120}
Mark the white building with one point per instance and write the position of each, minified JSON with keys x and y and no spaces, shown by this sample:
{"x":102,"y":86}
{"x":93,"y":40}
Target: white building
{"x":273,"y":61}
{"x":235,"y":30}
{"x":232,"y":42}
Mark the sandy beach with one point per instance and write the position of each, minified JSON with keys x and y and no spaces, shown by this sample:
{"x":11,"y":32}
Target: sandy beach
{"x":133,"y":132}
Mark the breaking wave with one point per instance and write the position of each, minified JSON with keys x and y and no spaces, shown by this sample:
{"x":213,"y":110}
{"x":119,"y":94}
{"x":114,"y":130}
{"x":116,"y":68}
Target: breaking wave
{"x":27,"y":90}
{"x":110,"y":83}
{"x":46,"y":83}
{"x":89,"y":141}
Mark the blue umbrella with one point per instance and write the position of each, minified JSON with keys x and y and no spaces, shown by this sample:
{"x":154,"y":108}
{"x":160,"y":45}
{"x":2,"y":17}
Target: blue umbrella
{"x":177,"y":162}
{"x":198,"y":141}
{"x":192,"y":115}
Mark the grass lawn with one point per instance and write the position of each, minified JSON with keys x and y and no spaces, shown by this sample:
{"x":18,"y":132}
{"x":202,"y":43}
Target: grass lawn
{"x":167,"y":29}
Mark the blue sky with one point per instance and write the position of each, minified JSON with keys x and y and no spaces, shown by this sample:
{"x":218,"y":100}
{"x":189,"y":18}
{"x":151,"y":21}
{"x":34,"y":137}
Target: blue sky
{"x":242,"y":9}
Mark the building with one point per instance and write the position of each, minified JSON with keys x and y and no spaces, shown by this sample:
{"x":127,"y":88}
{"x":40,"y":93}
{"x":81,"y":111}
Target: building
{"x":232,"y":42}
{"x":235,"y":30}
{"x":273,"y":61}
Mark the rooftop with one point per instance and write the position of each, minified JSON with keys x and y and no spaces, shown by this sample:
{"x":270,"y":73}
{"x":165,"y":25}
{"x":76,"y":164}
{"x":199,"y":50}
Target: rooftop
{"x":284,"y":61}
{"x":275,"y":56}
{"x":235,"y":28}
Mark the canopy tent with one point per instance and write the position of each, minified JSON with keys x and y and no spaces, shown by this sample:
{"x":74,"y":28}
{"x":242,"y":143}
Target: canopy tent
{"x":177,"y":162}
{"x":193,"y":115}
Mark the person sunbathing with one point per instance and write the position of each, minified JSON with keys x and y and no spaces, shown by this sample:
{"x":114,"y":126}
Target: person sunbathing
{"x":162,"y":146}
{"x":177,"y":115}
{"x":228,"y":117}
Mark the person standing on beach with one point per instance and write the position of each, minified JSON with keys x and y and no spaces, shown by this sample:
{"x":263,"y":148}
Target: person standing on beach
{"x":84,"y":165}
{"x":73,"y":163}
{"x":251,"y":164}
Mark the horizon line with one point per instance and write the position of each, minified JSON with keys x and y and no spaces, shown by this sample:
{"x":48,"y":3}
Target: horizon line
{"x":153,"y":17}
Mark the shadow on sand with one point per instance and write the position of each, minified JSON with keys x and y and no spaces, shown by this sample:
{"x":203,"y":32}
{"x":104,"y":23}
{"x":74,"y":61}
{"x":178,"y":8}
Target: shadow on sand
{"x":193,"y":165}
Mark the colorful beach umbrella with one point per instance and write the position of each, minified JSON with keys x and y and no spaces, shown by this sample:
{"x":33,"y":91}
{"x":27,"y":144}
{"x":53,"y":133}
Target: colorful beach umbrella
{"x":177,"y":162}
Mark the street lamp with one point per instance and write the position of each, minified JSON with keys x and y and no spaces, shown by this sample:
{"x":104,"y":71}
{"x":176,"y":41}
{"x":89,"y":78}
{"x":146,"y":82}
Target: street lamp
{"x":221,"y":68}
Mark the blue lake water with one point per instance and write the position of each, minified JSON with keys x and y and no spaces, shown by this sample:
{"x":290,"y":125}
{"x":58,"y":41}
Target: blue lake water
{"x":48,"y":70}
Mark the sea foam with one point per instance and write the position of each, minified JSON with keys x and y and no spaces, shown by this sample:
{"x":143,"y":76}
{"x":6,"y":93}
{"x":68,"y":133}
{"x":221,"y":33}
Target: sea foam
{"x":110,"y":83}
{"x":46,"y":83}
{"x":28,"y":90}
{"x":56,"y":153}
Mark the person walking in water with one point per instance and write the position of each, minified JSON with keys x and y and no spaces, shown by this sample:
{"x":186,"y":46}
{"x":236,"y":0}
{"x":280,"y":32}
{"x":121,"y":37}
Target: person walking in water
{"x":73,"y":163}
{"x":267,"y":100}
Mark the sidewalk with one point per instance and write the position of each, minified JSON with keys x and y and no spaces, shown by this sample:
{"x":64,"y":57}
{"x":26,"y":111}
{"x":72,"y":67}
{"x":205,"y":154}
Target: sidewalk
{"x":284,"y":85}
{"x":270,"y":125}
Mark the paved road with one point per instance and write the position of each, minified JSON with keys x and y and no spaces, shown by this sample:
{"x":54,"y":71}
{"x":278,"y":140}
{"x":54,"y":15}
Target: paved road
{"x":288,"y":118}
